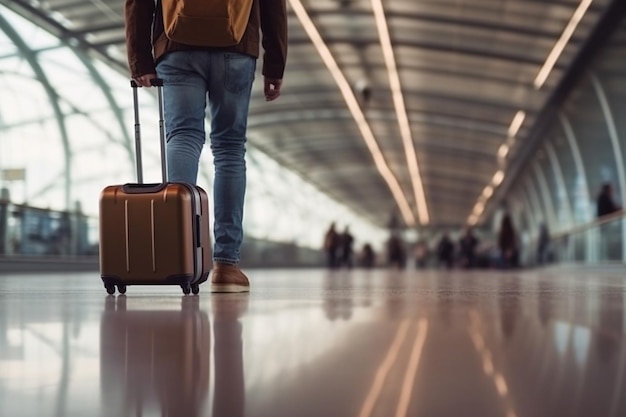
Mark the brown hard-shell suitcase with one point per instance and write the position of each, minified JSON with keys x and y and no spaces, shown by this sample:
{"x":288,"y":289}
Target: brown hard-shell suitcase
{"x":154,"y":233}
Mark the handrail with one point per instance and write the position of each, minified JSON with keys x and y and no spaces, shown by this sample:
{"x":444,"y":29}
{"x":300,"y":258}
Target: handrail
{"x":609,"y":218}
{"x":4,"y":202}
{"x":561,"y":241}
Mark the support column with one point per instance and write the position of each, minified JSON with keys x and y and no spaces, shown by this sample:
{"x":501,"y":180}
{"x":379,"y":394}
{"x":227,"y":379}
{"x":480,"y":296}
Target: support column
{"x":615,"y":143}
{"x":547,"y":197}
{"x":534,"y":199}
{"x":5,"y":204}
{"x":560,"y":180}
{"x":591,"y":240}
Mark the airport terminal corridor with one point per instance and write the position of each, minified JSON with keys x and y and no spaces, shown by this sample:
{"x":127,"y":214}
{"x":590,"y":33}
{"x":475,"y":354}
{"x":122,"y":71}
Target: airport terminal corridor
{"x":486,"y":136}
{"x":345,"y":343}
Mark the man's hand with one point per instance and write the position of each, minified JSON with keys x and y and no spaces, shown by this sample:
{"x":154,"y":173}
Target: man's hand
{"x":145,"y":80}
{"x":272,"y":88}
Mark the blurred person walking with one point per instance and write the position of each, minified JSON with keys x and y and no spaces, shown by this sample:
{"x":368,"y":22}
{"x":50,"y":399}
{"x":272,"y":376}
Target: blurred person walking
{"x":606,"y":203}
{"x":368,"y":257}
{"x":346,"y":241}
{"x":445,"y":251}
{"x":508,"y":244}
{"x":421,"y":254}
{"x":331,"y":246}
{"x":396,"y":253}
{"x":467,"y":246}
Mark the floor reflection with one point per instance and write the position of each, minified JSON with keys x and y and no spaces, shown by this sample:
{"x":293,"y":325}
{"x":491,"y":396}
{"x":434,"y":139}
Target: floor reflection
{"x":375,"y":344}
{"x":611,"y":324}
{"x":338,"y":295}
{"x":229,"y":398}
{"x":508,"y":297}
{"x":154,"y":359}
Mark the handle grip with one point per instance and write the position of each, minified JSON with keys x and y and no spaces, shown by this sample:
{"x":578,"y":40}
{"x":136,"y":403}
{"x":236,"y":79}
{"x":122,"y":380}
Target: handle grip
{"x":157,"y":82}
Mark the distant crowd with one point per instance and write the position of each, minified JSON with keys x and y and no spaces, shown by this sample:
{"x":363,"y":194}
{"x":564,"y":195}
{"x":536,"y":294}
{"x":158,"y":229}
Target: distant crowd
{"x":466,"y":250}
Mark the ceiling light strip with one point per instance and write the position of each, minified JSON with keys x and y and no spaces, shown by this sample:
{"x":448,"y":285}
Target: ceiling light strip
{"x":354,"y":107}
{"x":559,"y":46}
{"x":516,"y":124}
{"x":403,"y":119}
{"x":498,"y":177}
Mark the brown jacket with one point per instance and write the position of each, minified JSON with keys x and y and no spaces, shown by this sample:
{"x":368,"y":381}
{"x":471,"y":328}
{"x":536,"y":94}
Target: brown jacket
{"x":146,"y":42}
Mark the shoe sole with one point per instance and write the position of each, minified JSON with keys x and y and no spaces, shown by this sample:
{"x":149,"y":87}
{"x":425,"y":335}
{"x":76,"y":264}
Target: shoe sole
{"x":229,"y":288}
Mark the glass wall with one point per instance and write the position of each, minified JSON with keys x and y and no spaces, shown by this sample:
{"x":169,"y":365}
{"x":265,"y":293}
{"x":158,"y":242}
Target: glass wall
{"x":582,"y":150}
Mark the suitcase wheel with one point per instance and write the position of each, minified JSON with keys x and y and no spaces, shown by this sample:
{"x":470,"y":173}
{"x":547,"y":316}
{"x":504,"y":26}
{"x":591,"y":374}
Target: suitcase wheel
{"x":186,"y":289}
{"x":110,"y":289}
{"x":195,"y":288}
{"x":121,"y":289}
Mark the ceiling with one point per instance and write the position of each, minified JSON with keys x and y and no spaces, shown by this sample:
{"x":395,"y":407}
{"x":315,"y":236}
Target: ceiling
{"x":417,"y":106}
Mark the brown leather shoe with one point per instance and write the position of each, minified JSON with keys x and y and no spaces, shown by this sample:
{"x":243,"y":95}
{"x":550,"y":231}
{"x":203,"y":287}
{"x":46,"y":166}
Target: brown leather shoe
{"x":228,"y":278}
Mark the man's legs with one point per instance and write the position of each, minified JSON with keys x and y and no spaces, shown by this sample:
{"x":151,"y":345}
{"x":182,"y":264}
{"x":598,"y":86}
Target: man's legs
{"x":230,"y":85}
{"x":184,"y":96}
{"x":228,"y":78}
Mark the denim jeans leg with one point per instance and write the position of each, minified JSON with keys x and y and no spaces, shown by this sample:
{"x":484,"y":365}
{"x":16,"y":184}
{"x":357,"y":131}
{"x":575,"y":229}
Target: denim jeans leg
{"x":230,"y":85}
{"x":184,"y":96}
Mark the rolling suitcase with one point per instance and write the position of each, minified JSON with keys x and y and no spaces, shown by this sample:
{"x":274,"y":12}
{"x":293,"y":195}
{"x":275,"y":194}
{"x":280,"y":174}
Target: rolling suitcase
{"x":154,"y":233}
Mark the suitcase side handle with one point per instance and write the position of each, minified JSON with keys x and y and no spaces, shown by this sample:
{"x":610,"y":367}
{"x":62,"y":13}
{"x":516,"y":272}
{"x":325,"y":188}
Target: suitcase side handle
{"x":158,"y":83}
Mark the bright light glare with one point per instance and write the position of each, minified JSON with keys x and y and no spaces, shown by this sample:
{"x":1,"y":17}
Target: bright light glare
{"x":516,"y":124}
{"x":503,"y":151}
{"x":501,"y":385}
{"x":498,"y":177}
{"x":487,"y":364}
{"x":558,"y":48}
{"x":383,"y":370}
{"x":411,"y":370}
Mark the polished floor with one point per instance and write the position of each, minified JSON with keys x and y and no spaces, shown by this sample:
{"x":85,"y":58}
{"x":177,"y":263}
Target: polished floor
{"x":312,"y":343}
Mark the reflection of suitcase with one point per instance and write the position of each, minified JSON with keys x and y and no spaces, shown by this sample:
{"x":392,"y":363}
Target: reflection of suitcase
{"x":154,"y":233}
{"x":154,"y":362}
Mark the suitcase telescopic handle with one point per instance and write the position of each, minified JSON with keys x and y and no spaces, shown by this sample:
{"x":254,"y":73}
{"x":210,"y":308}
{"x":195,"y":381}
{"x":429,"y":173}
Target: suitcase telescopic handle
{"x":158,"y":83}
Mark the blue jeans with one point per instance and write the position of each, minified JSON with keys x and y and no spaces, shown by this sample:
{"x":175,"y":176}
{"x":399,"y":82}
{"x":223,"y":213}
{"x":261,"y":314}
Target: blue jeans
{"x":226,"y":78}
